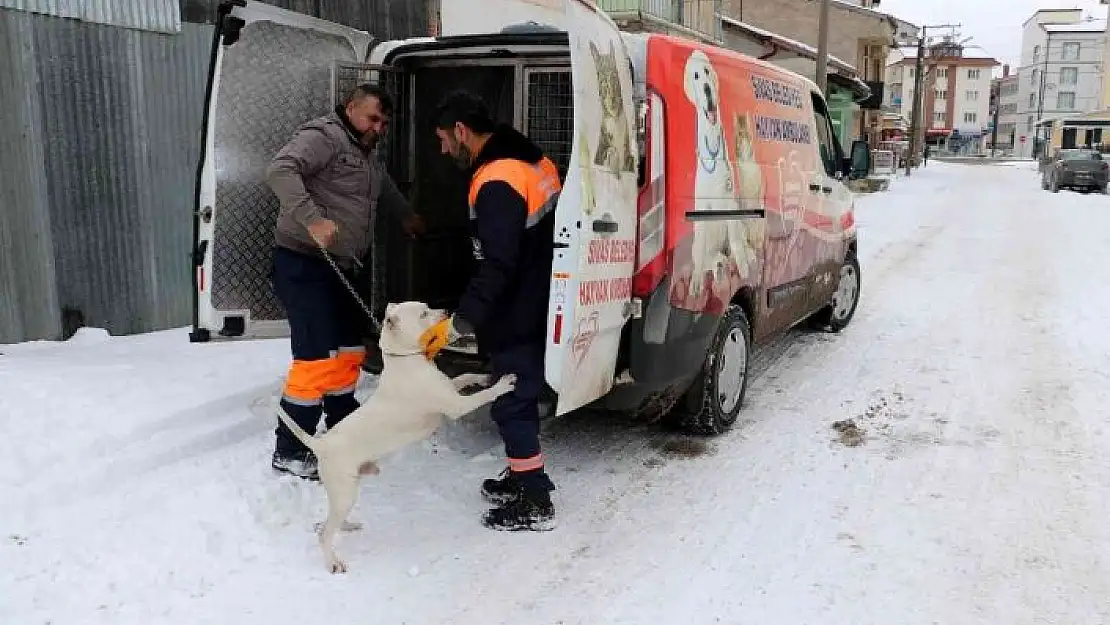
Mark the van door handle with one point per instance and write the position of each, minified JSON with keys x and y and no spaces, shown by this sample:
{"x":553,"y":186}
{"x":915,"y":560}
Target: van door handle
{"x":813,"y":186}
{"x":607,"y":226}
{"x":826,"y":190}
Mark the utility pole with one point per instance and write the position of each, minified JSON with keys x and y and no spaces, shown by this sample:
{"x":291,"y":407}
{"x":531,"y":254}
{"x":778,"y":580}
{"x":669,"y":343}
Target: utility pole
{"x":1040,"y":96}
{"x":915,"y":115}
{"x":917,"y":125}
{"x":823,"y":48}
{"x":996,"y":97}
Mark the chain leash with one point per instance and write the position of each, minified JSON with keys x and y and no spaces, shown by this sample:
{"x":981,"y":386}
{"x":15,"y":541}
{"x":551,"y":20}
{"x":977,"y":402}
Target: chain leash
{"x":350,"y":287}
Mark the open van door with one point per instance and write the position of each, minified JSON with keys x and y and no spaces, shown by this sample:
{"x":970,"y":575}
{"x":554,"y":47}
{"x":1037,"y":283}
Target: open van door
{"x":271,"y":71}
{"x":595,"y":219}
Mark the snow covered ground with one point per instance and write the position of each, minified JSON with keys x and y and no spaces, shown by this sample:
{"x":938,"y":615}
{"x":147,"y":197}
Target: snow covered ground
{"x":137,"y":488}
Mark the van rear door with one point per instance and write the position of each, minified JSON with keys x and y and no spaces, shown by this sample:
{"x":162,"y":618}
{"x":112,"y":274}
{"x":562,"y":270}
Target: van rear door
{"x":271,"y":71}
{"x":595,"y":223}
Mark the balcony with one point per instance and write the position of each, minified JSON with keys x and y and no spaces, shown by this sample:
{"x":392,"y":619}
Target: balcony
{"x":695,"y":17}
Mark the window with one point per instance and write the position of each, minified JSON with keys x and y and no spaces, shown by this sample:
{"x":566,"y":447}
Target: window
{"x":973,"y":74}
{"x":972,"y":95}
{"x":1032,"y":100}
{"x":971,"y":118}
{"x":830,"y":148}
{"x":1069,"y":76}
{"x":1029,"y":124}
{"x":1036,"y":51}
{"x":1071,"y":51}
{"x":1065,"y":100}
{"x":942,"y":94}
{"x":942,"y":72}
{"x":938,"y":117}
{"x":1033,"y":79}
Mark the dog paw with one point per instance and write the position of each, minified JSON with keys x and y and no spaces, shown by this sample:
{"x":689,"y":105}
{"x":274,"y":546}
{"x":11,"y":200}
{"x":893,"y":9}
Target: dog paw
{"x":337,"y":566}
{"x":507,"y":383}
{"x":368,"y":468}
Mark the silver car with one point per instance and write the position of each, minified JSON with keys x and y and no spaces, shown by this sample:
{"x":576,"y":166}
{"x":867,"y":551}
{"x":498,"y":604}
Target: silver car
{"x":1076,"y":169}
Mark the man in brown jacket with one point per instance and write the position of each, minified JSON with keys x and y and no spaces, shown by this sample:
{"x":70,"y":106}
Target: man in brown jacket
{"x":330,"y":185}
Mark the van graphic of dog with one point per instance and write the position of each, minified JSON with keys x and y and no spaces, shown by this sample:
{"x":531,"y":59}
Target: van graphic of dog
{"x":714,"y":240}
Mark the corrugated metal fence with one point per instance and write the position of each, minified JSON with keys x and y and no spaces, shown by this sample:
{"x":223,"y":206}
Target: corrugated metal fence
{"x":101,"y":126}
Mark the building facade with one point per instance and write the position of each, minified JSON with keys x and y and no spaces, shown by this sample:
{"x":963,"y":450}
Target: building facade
{"x":858,"y":34}
{"x":1006,"y":90}
{"x":1061,"y":72}
{"x":957,"y":89}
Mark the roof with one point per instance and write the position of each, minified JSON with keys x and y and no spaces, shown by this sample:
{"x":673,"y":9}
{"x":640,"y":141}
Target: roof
{"x":1093,"y":26}
{"x":805,"y":50}
{"x":957,"y":61}
{"x":1040,"y":11}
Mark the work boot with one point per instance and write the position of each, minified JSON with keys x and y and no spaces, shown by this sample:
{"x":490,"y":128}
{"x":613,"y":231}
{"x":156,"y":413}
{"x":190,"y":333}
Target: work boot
{"x":300,"y":464}
{"x":501,"y":489}
{"x":531,"y":510}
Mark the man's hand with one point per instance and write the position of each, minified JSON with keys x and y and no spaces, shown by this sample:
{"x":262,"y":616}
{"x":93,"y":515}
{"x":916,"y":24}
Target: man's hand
{"x":323,"y":231}
{"x":414,"y":225}
{"x":435,"y":338}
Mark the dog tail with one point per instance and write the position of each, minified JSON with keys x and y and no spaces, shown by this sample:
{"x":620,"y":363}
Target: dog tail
{"x":304,"y":437}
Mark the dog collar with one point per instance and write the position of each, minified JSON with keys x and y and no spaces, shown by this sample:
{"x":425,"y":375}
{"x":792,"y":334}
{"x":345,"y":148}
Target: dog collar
{"x":405,"y":355}
{"x":714,"y":154}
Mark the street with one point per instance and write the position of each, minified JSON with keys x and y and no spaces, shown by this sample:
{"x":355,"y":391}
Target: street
{"x":966,"y":480}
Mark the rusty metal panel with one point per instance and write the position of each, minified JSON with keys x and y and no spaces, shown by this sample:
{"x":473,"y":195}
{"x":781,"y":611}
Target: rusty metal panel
{"x":153,"y":15}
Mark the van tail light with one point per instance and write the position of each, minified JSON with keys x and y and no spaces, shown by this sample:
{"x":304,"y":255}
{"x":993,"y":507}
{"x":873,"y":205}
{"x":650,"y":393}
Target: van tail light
{"x":652,"y":227}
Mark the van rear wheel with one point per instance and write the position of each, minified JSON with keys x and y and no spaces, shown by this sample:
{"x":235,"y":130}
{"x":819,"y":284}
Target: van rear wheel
{"x":713,"y":402}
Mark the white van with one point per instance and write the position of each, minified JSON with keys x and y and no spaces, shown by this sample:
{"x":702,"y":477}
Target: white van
{"x":704,"y":208}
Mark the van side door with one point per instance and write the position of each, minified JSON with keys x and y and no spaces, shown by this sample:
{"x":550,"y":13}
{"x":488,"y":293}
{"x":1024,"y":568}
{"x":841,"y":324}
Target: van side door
{"x":271,"y":70}
{"x":596,"y":216}
{"x":788,"y":250}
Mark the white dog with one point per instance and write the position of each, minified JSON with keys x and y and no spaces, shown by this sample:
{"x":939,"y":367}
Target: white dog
{"x":714,"y":187}
{"x":411,"y":401}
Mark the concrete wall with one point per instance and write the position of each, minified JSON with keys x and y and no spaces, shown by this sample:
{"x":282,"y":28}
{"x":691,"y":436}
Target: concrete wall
{"x":800,"y":19}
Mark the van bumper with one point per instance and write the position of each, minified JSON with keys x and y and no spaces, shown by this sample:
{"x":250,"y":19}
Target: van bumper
{"x":667,"y":345}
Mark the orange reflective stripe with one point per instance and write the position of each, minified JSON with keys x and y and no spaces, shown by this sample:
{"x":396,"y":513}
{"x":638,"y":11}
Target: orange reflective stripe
{"x":348,"y":366}
{"x":308,"y":380}
{"x":537,"y":183}
{"x":520,"y":465}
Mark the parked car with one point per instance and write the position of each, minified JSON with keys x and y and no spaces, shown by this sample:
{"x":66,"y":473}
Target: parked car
{"x":1076,"y":169}
{"x":705,"y":207}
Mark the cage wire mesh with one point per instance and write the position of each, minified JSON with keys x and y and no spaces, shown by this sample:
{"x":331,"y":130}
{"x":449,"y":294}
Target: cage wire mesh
{"x":549,"y":118}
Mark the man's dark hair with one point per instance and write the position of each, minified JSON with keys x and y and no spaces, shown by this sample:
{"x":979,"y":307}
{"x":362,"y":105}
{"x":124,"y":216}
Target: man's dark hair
{"x":467,"y":108}
{"x":374,"y":91}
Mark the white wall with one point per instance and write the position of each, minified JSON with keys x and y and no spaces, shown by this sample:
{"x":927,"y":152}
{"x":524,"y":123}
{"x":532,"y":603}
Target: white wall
{"x":460,"y":17}
{"x":1088,"y":93}
{"x":979,"y":106}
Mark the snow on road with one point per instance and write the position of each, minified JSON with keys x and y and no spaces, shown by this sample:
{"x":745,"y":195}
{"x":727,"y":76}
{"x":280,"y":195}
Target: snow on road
{"x":137,"y":486}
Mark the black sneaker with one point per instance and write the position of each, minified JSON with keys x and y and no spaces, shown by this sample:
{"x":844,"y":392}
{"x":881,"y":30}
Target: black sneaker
{"x":301,"y":464}
{"x":502,"y":489}
{"x":529,"y":511}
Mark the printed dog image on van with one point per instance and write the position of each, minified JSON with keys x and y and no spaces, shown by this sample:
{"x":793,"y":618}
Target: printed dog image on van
{"x":614,"y":147}
{"x":714,"y":240}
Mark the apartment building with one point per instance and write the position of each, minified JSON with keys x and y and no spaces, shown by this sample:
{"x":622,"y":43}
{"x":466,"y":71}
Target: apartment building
{"x":1061,"y":72}
{"x":1006,"y":92}
{"x":957,"y":90}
